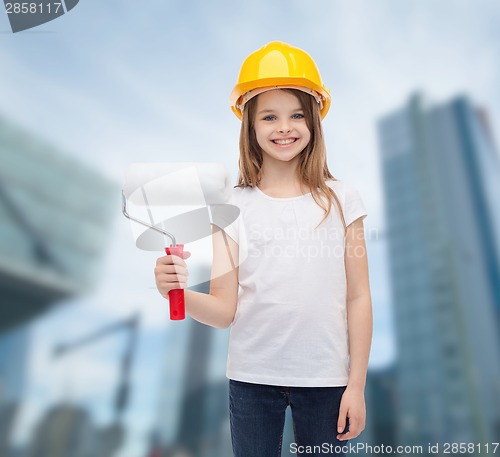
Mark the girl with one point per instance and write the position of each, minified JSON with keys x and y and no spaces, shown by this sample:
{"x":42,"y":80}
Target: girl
{"x":292,"y":277}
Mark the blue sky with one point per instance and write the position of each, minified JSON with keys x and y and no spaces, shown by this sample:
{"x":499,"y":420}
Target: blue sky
{"x":117,"y":82}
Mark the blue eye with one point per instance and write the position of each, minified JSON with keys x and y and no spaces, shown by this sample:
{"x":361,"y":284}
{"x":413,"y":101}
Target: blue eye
{"x":271,"y":117}
{"x":298,"y":116}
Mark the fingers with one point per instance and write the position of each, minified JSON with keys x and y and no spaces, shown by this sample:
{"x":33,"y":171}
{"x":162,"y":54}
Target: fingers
{"x":172,"y":260}
{"x":173,"y":277}
{"x":355,"y":428}
{"x":341,"y":423}
{"x":171,"y":269}
{"x":171,"y":273}
{"x":165,"y":284}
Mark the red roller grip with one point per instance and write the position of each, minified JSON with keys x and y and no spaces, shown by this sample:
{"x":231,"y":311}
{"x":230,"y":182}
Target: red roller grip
{"x":176,"y":296}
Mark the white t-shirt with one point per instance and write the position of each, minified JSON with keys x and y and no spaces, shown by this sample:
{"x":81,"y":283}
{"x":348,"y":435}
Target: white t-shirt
{"x":290,"y":326}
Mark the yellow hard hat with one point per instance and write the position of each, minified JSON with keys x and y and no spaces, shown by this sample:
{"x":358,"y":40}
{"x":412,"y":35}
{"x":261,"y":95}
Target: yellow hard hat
{"x":278,"y":65}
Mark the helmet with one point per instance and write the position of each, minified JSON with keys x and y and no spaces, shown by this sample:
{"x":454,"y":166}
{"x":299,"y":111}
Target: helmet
{"x":278,"y":65}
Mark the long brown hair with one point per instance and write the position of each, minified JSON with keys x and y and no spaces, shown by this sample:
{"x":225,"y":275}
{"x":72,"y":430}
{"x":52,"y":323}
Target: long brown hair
{"x":312,"y":169}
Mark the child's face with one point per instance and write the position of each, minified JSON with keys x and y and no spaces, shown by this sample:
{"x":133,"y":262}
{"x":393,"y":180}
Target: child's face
{"x":280,"y":125}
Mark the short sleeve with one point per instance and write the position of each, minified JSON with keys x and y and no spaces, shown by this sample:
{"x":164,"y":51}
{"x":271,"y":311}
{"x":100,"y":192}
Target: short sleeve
{"x":354,"y":207}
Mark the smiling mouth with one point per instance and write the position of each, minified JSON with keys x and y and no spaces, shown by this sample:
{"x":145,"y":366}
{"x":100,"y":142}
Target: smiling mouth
{"x":284,"y":142}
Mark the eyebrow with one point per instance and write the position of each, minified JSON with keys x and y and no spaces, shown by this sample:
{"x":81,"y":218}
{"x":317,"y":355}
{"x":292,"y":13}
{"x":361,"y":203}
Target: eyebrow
{"x":272,"y":111}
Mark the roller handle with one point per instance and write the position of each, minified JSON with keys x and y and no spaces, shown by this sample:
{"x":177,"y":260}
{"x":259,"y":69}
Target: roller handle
{"x":176,"y":296}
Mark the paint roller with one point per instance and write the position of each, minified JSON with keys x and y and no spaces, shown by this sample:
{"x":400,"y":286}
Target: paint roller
{"x":206,"y":186}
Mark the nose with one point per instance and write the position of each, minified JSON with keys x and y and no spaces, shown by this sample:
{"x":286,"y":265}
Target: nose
{"x":284,"y":126}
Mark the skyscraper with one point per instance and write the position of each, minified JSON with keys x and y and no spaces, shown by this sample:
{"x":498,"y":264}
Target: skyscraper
{"x":441,"y":179}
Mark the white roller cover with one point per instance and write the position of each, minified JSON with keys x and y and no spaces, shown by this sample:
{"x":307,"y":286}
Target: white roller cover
{"x":166,"y":184}
{"x":194,"y":195}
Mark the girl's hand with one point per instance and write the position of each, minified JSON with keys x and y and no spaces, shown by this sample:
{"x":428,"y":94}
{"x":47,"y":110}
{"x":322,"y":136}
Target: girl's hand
{"x":171,"y":273}
{"x":352,"y":405}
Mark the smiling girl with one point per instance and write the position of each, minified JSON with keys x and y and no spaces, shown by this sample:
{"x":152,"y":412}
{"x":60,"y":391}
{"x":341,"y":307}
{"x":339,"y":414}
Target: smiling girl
{"x":298,"y":300}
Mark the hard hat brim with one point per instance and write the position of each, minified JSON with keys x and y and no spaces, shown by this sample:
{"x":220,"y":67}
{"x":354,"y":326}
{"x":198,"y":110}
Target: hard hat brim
{"x":239,"y":96}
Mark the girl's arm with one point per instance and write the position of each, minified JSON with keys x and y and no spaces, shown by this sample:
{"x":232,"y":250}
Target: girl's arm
{"x":217,"y":309}
{"x":359,"y":304}
{"x":359,"y":322}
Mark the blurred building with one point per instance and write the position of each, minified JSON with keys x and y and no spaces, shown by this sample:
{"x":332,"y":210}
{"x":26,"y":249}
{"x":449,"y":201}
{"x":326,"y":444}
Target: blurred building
{"x":55,"y":215}
{"x":381,"y":420}
{"x":381,"y":395}
{"x":441,"y":180}
{"x":66,"y":430}
{"x":14,"y":347}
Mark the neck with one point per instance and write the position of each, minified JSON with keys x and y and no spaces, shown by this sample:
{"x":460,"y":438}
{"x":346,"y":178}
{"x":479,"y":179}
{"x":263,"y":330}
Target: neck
{"x":281,"y":175}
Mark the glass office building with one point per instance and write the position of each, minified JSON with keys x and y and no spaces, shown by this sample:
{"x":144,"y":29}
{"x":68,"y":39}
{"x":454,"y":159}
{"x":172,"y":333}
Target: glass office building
{"x":442,"y":186}
{"x":54,"y":223}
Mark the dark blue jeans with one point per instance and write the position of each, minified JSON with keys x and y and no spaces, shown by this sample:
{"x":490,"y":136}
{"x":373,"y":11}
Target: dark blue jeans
{"x":257,"y":415}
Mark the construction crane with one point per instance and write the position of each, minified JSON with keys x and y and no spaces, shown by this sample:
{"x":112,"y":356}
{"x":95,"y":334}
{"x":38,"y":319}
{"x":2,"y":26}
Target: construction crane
{"x":111,"y":437}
